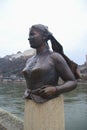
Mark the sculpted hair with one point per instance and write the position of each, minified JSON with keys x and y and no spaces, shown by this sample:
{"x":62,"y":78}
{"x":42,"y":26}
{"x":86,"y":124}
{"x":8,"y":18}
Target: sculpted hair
{"x":57,"y":47}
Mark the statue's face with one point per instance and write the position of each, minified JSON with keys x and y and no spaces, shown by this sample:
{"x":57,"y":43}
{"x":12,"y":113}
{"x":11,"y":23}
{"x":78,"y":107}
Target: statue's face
{"x":35,"y":38}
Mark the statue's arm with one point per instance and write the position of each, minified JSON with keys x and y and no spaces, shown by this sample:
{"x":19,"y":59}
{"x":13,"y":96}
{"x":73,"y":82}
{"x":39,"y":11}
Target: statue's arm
{"x":65,"y":73}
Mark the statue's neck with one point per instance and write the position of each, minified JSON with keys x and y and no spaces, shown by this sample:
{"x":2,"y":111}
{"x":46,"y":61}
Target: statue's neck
{"x":42,"y":50}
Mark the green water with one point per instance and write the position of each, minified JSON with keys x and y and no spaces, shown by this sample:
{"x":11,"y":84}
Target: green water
{"x":75,"y":103}
{"x":11,"y":98}
{"x":76,"y":109}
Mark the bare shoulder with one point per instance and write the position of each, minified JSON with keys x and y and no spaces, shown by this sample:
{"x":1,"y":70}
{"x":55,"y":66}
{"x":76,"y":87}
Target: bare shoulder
{"x":57,"y":57}
{"x":62,"y":67}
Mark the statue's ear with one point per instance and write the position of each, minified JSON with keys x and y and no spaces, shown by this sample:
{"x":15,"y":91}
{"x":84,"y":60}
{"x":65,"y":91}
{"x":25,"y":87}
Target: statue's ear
{"x":44,"y":38}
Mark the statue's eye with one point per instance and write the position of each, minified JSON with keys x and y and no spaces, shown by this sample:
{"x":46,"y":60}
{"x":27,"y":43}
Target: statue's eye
{"x":32,"y":34}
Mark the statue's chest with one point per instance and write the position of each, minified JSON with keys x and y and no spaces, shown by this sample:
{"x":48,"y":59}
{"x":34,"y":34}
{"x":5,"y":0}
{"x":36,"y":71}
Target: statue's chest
{"x":38,"y":67}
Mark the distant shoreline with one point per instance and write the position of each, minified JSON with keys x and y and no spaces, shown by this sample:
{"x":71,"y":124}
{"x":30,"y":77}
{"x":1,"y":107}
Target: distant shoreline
{"x":24,"y":82}
{"x":82,"y":83}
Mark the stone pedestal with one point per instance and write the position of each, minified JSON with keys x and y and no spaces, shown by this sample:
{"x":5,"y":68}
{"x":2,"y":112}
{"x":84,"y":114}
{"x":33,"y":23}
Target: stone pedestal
{"x":46,"y":116}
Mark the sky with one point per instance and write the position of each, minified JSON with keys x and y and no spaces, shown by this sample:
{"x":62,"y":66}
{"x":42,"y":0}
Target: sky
{"x":66,"y":19}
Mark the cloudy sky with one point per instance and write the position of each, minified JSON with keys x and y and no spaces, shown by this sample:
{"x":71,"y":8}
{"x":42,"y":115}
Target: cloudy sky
{"x":66,"y":19}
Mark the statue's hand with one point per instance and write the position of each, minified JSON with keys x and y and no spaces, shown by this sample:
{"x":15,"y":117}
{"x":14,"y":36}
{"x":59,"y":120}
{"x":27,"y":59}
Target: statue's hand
{"x":46,"y":91}
{"x":27,"y":94}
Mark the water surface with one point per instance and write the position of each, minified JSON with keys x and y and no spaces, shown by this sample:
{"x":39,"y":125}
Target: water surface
{"x":76,"y":109}
{"x":75,"y":103}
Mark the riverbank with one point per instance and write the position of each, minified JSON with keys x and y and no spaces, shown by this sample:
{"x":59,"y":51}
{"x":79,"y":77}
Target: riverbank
{"x":22,"y":81}
{"x":10,"y":122}
{"x":82,"y":82}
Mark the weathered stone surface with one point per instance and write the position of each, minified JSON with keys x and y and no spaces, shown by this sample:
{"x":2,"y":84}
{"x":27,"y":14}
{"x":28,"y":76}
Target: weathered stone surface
{"x":46,"y":116}
{"x":9,"y":121}
{"x":2,"y":128}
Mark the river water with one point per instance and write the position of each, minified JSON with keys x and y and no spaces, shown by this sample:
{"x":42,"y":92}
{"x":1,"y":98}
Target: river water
{"x":75,"y":104}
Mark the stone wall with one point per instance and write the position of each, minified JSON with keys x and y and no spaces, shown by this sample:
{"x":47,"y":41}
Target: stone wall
{"x":9,"y":121}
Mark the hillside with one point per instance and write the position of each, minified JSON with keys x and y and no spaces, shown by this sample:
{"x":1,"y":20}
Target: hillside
{"x":12,"y":65}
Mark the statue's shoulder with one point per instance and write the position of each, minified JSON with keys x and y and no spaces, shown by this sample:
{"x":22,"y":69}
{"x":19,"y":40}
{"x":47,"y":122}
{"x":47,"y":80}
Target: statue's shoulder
{"x":55,"y":54}
{"x":57,"y":57}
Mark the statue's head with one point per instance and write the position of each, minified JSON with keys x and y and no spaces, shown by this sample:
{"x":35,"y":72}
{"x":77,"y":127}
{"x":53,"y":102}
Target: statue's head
{"x":38,"y":34}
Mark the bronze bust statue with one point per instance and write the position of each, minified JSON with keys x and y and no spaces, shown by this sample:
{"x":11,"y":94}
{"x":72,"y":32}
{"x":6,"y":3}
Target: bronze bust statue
{"x":42,"y":71}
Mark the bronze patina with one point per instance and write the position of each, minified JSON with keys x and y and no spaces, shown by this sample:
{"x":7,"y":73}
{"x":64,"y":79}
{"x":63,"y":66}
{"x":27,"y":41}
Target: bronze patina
{"x":42,"y":71}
